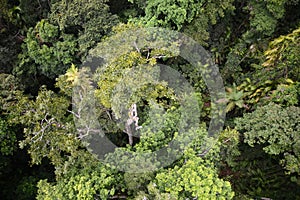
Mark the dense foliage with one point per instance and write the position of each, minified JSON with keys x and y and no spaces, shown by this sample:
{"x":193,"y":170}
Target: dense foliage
{"x":67,"y":68}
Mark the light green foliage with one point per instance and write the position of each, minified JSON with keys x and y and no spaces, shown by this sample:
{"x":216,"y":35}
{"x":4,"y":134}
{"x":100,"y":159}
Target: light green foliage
{"x":133,"y":78}
{"x":67,"y":81}
{"x":46,"y":51}
{"x":88,"y":20}
{"x":193,"y":180}
{"x":153,"y":43}
{"x":255,"y":94}
{"x":87,"y":184}
{"x":86,"y":109}
{"x":154,"y":193}
{"x":82,"y":177}
{"x":115,"y":73}
{"x":50,"y":133}
{"x":192,"y":176}
{"x":132,"y":71}
{"x":278,"y":129}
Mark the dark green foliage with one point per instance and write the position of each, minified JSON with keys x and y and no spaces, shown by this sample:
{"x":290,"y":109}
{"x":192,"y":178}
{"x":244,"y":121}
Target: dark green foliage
{"x":259,"y":175}
{"x":287,"y":95}
{"x":192,"y":17}
{"x":8,"y":52}
{"x":18,"y":180}
{"x":46,"y":51}
{"x":9,"y":91}
{"x":65,"y":37}
{"x":88,"y":20}
{"x":7,"y":139}
{"x":246,"y":53}
{"x":16,"y":17}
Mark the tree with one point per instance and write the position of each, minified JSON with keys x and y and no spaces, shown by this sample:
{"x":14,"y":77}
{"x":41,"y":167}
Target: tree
{"x":193,"y":17}
{"x":63,"y":38}
{"x":15,"y":19}
{"x":278,"y":130}
{"x":50,"y":132}
{"x":87,"y":20}
{"x":261,"y":19}
{"x":46,"y":51}
{"x":193,"y":180}
{"x":10,"y":89}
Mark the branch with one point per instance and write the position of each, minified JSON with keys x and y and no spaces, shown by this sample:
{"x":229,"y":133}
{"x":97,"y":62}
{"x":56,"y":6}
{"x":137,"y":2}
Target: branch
{"x":75,"y":114}
{"x":86,"y":131}
{"x":136,"y":47}
{"x":203,"y":153}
